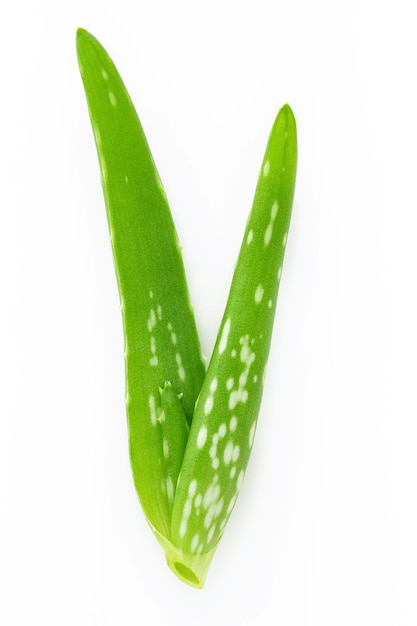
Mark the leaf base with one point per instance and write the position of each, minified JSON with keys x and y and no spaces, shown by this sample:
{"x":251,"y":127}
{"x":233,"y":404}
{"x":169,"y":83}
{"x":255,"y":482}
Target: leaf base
{"x":190,"y":568}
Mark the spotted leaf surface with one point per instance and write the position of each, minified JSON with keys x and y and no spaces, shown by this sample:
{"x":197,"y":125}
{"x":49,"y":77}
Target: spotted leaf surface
{"x":161,"y":342}
{"x":226,"y":412}
{"x":190,"y":433}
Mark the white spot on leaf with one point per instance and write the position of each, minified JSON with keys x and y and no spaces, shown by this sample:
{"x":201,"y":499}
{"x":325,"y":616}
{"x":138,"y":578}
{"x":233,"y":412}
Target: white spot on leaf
{"x":183,"y":527}
{"x":225,"y":336}
{"x":165,"y":448}
{"x":208,"y":405}
{"x":192,"y":488}
{"x":268,"y":234}
{"x":247,"y":357}
{"x":202,"y":437}
{"x":152,"y":408}
{"x":151,"y":320}
{"x":236,"y":453}
{"x":181,"y":370}
{"x":170,"y":489}
{"x":240,"y":395}
{"x":228,"y":452}
{"x":259,"y":294}
{"x":194,"y":543}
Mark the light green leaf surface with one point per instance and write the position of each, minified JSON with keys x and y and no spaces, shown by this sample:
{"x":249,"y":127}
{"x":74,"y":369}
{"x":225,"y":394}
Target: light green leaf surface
{"x":190,"y":434}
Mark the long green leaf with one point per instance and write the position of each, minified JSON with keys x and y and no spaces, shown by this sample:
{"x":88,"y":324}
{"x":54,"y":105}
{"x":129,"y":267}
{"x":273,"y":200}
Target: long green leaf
{"x":226,"y":412}
{"x":161,"y":342}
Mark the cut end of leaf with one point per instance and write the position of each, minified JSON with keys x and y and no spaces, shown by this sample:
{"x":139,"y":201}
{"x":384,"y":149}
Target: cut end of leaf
{"x":189,"y":568}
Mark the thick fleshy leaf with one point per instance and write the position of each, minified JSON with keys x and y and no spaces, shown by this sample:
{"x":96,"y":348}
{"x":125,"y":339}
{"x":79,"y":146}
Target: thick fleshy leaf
{"x":225,"y":416}
{"x":161,"y":342}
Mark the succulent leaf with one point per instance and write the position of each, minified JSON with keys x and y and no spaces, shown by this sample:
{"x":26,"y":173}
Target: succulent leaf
{"x":190,"y":433}
{"x":161,"y":341}
{"x":225,"y":416}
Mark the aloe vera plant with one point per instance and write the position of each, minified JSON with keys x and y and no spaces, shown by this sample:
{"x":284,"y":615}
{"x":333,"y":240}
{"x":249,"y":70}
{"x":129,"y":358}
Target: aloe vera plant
{"x":190,"y":431}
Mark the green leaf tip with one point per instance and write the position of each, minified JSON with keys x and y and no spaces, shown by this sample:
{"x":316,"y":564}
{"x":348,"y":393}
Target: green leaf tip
{"x":190,"y":431}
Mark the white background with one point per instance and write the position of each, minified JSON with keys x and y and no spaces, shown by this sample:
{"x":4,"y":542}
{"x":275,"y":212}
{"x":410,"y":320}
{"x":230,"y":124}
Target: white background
{"x":324,"y":532}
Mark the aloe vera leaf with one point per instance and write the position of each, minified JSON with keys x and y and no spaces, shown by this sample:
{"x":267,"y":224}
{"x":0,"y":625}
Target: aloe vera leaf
{"x":161,"y":341}
{"x":225,"y":416}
